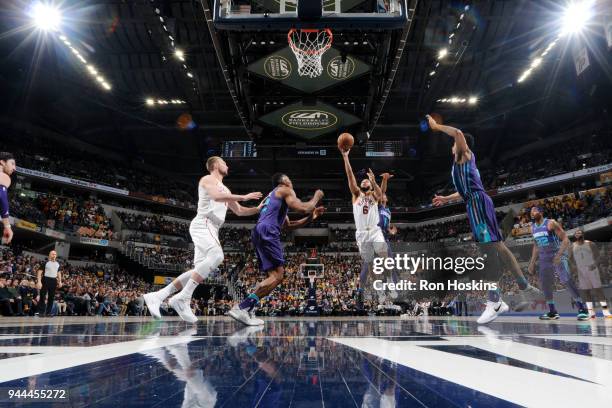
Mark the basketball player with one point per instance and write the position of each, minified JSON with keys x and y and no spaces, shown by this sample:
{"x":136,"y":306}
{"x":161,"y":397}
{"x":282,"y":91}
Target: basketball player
{"x":7,"y":167}
{"x":585,"y":255}
{"x":481,"y":216}
{"x":550,"y":248}
{"x":369,"y":236}
{"x":266,"y":238}
{"x":214,"y":198}
{"x":384,"y":222}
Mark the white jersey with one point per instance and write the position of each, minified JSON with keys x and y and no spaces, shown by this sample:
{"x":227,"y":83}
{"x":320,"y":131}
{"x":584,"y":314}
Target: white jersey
{"x":209,"y":208}
{"x":365,"y":211}
{"x":583,"y":255}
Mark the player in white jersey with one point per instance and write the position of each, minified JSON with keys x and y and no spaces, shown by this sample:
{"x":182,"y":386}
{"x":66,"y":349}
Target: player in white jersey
{"x":585,"y":255}
{"x":366,"y":196}
{"x":214,"y":198}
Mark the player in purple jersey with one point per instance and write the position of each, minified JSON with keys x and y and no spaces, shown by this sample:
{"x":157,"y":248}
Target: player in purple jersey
{"x":267,"y":241}
{"x":7,"y":167}
{"x":481,"y":216}
{"x":550,"y":245}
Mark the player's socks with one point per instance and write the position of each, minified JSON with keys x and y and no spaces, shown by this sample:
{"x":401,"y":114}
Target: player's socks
{"x":522,"y":283}
{"x":604,"y":308}
{"x":166,"y":291}
{"x":188,"y":289}
{"x":551,"y":306}
{"x":249,"y":302}
{"x":493,"y":296}
{"x":589,"y":306}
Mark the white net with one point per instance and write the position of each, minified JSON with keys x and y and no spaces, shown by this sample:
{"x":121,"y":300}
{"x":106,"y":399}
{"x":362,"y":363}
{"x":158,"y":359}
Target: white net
{"x":309,"y":47}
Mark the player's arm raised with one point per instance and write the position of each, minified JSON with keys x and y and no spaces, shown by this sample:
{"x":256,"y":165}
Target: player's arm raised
{"x":385,"y":181}
{"x":451,"y":131}
{"x":375,"y":187}
{"x":291,"y":225}
{"x":565,"y":242}
{"x":352,"y":182}
{"x":209,"y":183}
{"x":296,"y":204}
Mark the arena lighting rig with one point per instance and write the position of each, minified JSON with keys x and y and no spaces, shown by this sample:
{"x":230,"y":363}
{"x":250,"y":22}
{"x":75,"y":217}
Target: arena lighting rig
{"x":575,"y":19}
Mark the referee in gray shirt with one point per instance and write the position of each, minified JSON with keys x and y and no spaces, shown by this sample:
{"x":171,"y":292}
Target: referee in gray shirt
{"x":47,"y":284}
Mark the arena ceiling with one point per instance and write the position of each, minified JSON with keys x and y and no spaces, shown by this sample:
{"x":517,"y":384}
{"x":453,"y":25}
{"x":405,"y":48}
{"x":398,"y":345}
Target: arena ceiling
{"x":43,"y":83}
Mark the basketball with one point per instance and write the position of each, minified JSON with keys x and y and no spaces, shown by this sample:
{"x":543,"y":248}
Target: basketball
{"x":184,"y":121}
{"x":345,"y":141}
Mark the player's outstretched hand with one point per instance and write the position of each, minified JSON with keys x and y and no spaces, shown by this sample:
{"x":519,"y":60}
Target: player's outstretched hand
{"x":433,"y":125}
{"x":318,"y":212}
{"x":319,"y":194}
{"x":438,"y":200}
{"x":252,"y":196}
{"x":386,"y":176}
{"x":344,"y":152}
{"x":371,"y":175}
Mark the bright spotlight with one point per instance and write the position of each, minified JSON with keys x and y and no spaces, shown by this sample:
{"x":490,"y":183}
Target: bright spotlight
{"x":180,"y":55}
{"x":442,"y":53}
{"x":46,"y":17}
{"x":472,"y":100}
{"x":576,"y":16}
{"x":150,"y":102}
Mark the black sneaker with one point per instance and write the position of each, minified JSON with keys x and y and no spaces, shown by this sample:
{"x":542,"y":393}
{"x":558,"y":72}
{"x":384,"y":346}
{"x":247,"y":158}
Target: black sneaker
{"x":583,"y":314}
{"x":550,"y":316}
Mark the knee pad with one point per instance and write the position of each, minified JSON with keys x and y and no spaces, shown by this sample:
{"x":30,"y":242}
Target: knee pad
{"x":210,"y":262}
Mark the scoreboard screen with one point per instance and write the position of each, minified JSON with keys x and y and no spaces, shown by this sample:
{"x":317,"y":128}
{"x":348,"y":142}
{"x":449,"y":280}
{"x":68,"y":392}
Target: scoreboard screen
{"x":389,"y":148}
{"x":238,"y":148}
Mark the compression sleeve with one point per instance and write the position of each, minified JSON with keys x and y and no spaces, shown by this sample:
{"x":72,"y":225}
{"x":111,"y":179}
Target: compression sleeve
{"x":4,"y":203}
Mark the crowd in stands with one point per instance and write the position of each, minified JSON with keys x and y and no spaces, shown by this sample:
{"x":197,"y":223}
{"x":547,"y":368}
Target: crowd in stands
{"x":154,"y":223}
{"x":84,"y":217}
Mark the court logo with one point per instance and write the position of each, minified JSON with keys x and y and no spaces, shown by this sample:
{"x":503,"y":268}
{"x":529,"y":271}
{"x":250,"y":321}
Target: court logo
{"x":309,"y":119}
{"x":277,"y":67}
{"x":338,"y":70}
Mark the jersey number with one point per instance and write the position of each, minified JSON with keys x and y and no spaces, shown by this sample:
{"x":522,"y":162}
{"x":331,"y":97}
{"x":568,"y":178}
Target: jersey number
{"x":366,"y":209}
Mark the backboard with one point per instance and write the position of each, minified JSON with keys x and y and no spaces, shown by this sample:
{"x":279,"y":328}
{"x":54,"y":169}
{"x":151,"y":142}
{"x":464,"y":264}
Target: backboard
{"x":275,"y":15}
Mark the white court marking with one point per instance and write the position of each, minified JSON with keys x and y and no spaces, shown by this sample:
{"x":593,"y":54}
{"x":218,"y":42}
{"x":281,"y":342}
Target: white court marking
{"x":499,"y":380}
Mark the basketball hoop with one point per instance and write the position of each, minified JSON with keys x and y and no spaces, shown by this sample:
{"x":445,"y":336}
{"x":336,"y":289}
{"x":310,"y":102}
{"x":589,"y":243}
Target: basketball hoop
{"x":309,"y":45}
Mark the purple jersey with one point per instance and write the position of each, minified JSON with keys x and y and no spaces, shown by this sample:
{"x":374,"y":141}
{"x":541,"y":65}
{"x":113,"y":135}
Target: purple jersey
{"x":274,"y":211}
{"x":267,"y":233}
{"x":466,"y":178}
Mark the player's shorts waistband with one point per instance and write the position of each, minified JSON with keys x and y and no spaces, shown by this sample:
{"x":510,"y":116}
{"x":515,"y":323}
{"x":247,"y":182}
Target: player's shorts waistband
{"x":208,"y":221}
{"x":367,"y":229}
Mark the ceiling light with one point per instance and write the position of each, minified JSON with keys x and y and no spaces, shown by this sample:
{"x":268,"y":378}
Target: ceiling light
{"x":180,"y":54}
{"x":190,"y":75}
{"x":150,"y":102}
{"x":472,"y":100}
{"x":576,"y":16}
{"x":46,"y":17}
{"x":432,"y":73}
{"x":442,"y":53}
{"x":536,"y":62}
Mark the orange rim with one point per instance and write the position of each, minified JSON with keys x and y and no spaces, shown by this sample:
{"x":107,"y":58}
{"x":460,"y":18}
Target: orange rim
{"x":310,"y":30}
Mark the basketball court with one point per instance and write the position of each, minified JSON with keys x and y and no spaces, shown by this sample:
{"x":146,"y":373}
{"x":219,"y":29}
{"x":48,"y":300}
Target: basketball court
{"x":340,"y":362}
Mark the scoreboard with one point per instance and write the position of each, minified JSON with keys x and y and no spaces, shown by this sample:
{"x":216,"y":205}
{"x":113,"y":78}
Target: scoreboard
{"x":389,"y":148}
{"x":238,"y":148}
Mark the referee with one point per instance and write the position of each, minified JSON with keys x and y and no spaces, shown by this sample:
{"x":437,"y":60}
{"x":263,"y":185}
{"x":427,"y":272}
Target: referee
{"x":51,"y":280}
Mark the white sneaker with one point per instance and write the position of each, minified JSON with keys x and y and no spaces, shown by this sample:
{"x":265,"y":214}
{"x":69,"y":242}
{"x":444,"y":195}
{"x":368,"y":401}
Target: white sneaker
{"x":241,"y":315}
{"x":492,"y":311}
{"x":254,"y":320}
{"x":182,"y":306}
{"x":153,"y":302}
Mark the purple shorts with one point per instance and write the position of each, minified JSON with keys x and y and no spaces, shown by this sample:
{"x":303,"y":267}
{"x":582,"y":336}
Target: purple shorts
{"x":267,"y":242}
{"x":482,"y":218}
